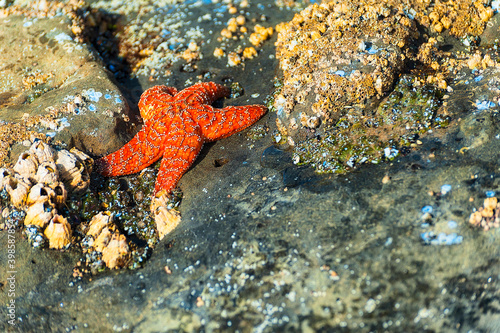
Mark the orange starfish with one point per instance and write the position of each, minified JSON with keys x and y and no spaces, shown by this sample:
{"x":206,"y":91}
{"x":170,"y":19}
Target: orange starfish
{"x":176,"y":124}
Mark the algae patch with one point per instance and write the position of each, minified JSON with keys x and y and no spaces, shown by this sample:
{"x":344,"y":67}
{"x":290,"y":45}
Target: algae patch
{"x":410,"y":110}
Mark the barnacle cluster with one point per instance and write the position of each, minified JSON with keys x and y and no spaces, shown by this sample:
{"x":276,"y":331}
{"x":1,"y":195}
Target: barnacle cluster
{"x":460,"y":17}
{"x":236,"y":30}
{"x":488,"y":216}
{"x":129,"y":223}
{"x":51,"y":194}
{"x":39,"y":184}
{"x":104,"y":243}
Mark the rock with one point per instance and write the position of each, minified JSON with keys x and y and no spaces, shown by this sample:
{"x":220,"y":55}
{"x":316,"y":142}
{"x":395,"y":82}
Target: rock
{"x":55,"y":87}
{"x":363,"y":81}
{"x":337,"y":55}
{"x":266,"y":245}
{"x":338,"y":61}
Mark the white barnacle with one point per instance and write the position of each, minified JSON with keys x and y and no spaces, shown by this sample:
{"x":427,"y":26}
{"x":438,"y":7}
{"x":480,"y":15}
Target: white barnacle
{"x":18,"y":188}
{"x":58,"y":232}
{"x":42,"y":151}
{"x":39,"y":214}
{"x":47,"y":172}
{"x":26,"y":165}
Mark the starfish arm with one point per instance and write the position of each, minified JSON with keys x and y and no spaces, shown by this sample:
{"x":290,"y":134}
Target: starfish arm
{"x":203,"y":93}
{"x":179,"y":153}
{"x":220,"y":123}
{"x":153,"y":99}
{"x":140,"y":152}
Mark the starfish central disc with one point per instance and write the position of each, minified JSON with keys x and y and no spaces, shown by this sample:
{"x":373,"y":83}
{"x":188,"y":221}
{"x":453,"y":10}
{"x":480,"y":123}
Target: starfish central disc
{"x":176,"y":124}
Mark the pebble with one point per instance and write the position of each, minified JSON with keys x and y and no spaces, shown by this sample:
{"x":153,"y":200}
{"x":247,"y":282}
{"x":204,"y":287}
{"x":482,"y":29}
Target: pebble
{"x":445,"y":188}
{"x":427,"y":209}
{"x":442,"y":238}
{"x":484,"y":105}
{"x":390,"y":153}
{"x":490,"y":194}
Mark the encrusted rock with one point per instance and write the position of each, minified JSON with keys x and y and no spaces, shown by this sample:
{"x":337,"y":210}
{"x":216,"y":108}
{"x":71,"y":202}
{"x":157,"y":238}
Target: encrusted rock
{"x":166,"y":217}
{"x":488,"y":216}
{"x":335,"y":55}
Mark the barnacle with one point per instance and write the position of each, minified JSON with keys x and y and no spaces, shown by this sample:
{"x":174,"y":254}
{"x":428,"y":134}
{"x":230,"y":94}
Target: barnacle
{"x":39,"y":213}
{"x":47,"y":172}
{"x":40,"y":192}
{"x":103,"y":237}
{"x":42,"y":151}
{"x":26,"y":165}
{"x":117,"y":252}
{"x":59,"y":193}
{"x":18,"y":189}
{"x":74,"y":167}
{"x":58,"y":232}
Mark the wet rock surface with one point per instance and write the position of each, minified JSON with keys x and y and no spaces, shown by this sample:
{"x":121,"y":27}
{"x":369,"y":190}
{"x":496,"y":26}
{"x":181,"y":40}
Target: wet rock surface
{"x":267,"y":245}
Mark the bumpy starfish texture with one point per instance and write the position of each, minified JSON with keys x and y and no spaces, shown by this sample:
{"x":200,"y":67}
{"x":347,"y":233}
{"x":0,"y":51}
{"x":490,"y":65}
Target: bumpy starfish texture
{"x":176,"y":124}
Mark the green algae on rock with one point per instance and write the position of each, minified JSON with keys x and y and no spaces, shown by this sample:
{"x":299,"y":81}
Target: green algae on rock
{"x":410,"y":110}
